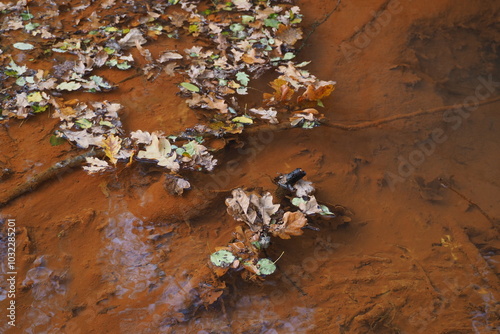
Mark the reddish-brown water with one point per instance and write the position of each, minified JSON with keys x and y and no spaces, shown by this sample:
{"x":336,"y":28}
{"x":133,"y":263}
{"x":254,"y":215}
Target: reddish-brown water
{"x":118,"y":254}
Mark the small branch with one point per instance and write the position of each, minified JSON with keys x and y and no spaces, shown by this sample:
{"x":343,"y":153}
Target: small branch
{"x":46,"y":175}
{"x":448,"y":186}
{"x":399,"y":117}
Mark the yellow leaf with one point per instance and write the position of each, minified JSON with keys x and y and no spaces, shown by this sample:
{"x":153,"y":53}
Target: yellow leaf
{"x":112,"y":145}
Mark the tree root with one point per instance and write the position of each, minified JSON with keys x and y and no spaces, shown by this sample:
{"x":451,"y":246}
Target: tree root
{"x":51,"y":172}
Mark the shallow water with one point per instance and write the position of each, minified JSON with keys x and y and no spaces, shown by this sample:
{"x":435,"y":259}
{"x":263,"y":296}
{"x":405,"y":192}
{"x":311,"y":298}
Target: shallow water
{"x":118,"y":254}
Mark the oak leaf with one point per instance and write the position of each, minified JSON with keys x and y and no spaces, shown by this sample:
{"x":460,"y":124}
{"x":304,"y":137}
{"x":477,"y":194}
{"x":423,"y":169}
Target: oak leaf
{"x":112,"y":145}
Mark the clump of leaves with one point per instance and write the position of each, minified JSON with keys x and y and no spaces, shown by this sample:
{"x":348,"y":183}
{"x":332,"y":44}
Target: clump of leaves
{"x":265,"y":219}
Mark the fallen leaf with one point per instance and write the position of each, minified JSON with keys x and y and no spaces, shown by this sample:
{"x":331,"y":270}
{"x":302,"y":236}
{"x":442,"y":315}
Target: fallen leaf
{"x":95,"y":165}
{"x":112,"y":145}
{"x":288,"y":34}
{"x":23,"y":46}
{"x":313,"y":93}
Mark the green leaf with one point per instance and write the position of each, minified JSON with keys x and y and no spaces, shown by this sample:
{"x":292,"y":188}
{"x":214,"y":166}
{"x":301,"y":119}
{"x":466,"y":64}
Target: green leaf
{"x":266,"y":267}
{"x":31,"y":26}
{"x":99,"y":81}
{"x":193,"y":28}
{"x":236,"y":27}
{"x":26,"y":16}
{"x":325,"y":210}
{"x":23,"y":46}
{"x":107,"y":123}
{"x":123,"y":66}
{"x":189,"y":86}
{"x":288,"y":56}
{"x":320,"y":103}
{"x":20,"y":70}
{"x":109,"y":50}
{"x":297,"y":201}
{"x":70,"y":86}
{"x":222,"y":258}
{"x":55,"y":140}
{"x":246,"y":19}
{"x":243,"y":120}
{"x":272,"y":23}
{"x":83,"y":123}
{"x":38,"y":108}
{"x":35,"y":97}
{"x":190,"y":148}
{"x":21,"y":81}
{"x":112,"y":62}
{"x":243,"y":78}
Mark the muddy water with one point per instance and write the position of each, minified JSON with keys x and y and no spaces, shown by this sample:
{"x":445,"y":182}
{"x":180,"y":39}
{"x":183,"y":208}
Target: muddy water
{"x":106,"y":254}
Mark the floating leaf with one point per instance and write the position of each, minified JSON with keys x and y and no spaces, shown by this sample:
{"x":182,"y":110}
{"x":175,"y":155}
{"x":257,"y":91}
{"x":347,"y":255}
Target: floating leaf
{"x":83,"y":123}
{"x":243,"y":78}
{"x":70,"y":86}
{"x":95,"y":165}
{"x":189,"y":86}
{"x":35,"y":97}
{"x":313,"y":93}
{"x":266,"y":267}
{"x":112,"y":145}
{"x":23,"y":46}
{"x":31,"y":26}
{"x":56,"y":140}
{"x":243,"y":120}
{"x":292,"y":224}
{"x":222,"y":258}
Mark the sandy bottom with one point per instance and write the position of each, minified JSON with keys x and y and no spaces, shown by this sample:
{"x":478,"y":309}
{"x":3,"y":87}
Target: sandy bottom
{"x":118,"y":254}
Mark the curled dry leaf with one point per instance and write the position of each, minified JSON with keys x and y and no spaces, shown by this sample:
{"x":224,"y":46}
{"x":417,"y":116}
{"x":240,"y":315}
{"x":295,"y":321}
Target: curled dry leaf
{"x":313,"y":93}
{"x":292,"y":224}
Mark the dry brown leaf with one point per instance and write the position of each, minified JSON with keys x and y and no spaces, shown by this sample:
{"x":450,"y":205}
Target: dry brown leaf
{"x":251,"y":58}
{"x":282,"y":92}
{"x":288,"y":34}
{"x":112,"y":145}
{"x":314,"y":94}
{"x":293,"y":222}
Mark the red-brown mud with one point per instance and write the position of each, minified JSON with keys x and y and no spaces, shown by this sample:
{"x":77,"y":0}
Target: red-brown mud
{"x":118,"y":254}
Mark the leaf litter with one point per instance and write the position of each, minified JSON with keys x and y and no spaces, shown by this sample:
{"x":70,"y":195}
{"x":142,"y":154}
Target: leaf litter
{"x":242,"y":40}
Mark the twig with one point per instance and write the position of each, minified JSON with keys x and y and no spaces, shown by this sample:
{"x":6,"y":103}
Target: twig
{"x":448,"y":186}
{"x":398,"y":117}
{"x":316,"y":24}
{"x":46,"y":175}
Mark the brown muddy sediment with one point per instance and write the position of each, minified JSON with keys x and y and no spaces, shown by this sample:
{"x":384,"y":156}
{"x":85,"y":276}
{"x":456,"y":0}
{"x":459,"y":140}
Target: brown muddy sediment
{"x":118,"y":254}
